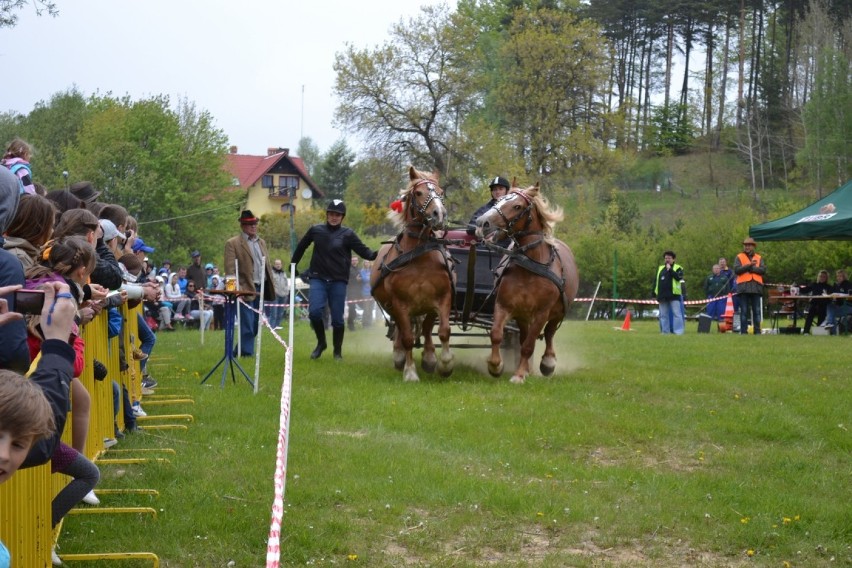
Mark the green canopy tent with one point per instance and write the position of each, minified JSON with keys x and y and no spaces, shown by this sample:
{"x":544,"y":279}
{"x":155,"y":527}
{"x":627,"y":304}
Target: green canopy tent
{"x":828,"y":219}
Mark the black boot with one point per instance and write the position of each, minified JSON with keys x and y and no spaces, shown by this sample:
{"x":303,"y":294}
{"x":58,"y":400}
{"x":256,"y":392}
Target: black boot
{"x":337,"y":341}
{"x":319,"y":330}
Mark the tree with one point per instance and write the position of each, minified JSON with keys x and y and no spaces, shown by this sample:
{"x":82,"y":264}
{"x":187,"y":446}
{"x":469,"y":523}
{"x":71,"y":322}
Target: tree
{"x":163,"y":165}
{"x":671,"y":132}
{"x":408,"y":93}
{"x":49,"y":128}
{"x":8,"y":17}
{"x":552,"y":68}
{"x":334,"y":169}
{"x":376,"y":181}
{"x":310,"y":154}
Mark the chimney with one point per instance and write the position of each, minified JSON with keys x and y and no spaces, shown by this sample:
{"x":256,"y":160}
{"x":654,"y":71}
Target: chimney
{"x":233,"y":149}
{"x":271,"y":151}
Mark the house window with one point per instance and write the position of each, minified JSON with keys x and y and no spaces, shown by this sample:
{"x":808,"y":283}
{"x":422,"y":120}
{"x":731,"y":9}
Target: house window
{"x":267,"y":181}
{"x":291,"y":182}
{"x":287,"y":186}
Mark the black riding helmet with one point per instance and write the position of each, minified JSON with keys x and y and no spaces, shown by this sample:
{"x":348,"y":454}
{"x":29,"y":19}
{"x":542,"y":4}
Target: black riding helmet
{"x":499,"y":181}
{"x":337,"y":206}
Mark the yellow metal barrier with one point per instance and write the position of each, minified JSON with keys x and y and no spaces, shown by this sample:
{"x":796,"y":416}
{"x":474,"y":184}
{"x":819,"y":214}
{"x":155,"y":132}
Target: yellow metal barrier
{"x":25,"y":516}
{"x":25,"y":500}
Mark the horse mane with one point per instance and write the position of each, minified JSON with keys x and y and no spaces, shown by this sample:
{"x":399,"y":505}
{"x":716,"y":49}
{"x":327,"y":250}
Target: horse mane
{"x":397,"y":218}
{"x":550,"y":215}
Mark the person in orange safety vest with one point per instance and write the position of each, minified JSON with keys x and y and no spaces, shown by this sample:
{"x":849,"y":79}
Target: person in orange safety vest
{"x":749,"y":268}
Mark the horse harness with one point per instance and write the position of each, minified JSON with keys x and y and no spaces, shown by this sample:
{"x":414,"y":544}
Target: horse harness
{"x":428,"y":242}
{"x":517,"y":254}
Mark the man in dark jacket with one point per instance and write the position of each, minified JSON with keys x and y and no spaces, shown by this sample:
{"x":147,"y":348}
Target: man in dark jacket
{"x":196,"y":272}
{"x":329,"y":272}
{"x":499,"y":188}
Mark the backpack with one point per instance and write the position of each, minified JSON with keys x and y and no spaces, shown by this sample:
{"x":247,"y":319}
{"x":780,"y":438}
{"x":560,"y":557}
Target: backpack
{"x":25,"y":180}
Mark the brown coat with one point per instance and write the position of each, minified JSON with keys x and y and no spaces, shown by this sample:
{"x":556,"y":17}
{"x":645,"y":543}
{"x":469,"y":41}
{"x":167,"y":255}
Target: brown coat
{"x":237,"y":249}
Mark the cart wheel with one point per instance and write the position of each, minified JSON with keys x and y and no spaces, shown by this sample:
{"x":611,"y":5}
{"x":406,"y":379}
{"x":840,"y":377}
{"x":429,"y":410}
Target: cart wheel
{"x":510,"y":349}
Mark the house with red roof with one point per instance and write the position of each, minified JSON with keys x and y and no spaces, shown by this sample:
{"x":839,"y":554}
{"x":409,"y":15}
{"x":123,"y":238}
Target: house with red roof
{"x":273,"y":183}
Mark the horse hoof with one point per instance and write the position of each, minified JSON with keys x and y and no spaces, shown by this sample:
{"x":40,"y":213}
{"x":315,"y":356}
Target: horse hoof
{"x":495,"y":370}
{"x":399,"y":361}
{"x":429,"y":363}
{"x":410,"y":377}
{"x":517,"y":379}
{"x":547,"y":366}
{"x":445,"y":367}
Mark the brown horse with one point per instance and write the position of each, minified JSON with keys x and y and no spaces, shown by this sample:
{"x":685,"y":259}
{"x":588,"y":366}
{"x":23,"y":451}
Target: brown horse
{"x":539,"y":281}
{"x":412,"y":276}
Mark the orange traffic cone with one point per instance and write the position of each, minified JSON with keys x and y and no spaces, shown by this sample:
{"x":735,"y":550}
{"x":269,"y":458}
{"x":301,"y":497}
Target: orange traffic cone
{"x":728,"y":324}
{"x":626,"y":325}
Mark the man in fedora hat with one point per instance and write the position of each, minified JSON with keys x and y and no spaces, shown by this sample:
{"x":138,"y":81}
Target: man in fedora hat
{"x":750,"y":269}
{"x":85,"y":192}
{"x":248,"y":250}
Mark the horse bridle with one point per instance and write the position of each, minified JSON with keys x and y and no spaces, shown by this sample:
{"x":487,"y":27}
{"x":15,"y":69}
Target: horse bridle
{"x":510,"y":223}
{"x":433,"y":195}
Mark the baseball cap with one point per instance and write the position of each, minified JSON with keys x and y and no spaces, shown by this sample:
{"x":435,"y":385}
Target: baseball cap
{"x":139,"y":244}
{"x":110,"y":230}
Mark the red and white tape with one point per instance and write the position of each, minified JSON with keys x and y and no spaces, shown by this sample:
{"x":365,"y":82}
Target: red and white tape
{"x":273,"y":545}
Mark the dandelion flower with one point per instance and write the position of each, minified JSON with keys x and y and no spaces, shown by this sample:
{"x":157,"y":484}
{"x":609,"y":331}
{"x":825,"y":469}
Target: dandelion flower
{"x":352,"y":557}
{"x":745,"y":520}
{"x":750,"y":552}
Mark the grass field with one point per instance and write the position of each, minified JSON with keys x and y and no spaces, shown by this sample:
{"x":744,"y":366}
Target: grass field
{"x":643,"y":450}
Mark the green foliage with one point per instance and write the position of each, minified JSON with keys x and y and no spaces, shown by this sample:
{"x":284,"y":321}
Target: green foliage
{"x":828,"y":122}
{"x":334,"y":169}
{"x":620,"y":213}
{"x":310,"y":154}
{"x":376,"y":180}
{"x":551,"y":65}
{"x":50,"y":128}
{"x":163,"y":165}
{"x":671,"y":133}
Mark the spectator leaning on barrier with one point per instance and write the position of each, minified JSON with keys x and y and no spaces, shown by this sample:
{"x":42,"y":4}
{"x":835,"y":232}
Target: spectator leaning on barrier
{"x":668,"y":284}
{"x":750,"y":269}
{"x":14,"y":353}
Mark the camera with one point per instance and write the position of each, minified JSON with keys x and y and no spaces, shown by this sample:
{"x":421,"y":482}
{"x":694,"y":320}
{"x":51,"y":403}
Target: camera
{"x":29,"y":301}
{"x":128,"y":233}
